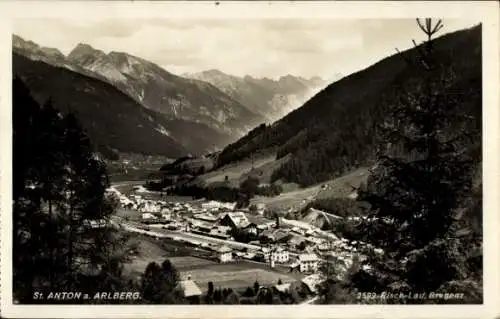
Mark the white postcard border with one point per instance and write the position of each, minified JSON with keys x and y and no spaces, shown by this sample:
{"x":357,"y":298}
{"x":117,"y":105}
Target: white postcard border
{"x":485,"y":11}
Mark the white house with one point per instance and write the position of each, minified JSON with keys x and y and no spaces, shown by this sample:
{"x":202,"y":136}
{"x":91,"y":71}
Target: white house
{"x":325,"y":245}
{"x":208,"y":217}
{"x":166,"y":213}
{"x":276,"y":254}
{"x":190,"y":288}
{"x":308,"y":262}
{"x":224,"y":254}
{"x":148,"y":216}
{"x":214,"y":205}
{"x":261,"y":207}
{"x":95,"y":223}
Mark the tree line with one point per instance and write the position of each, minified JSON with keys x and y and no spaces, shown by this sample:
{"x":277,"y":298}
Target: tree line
{"x":58,"y":195}
{"x":242,"y":195}
{"x":58,"y":187}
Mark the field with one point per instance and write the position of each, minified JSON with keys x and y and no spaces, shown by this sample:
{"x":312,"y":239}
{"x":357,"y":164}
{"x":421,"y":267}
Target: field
{"x":189,"y":262}
{"x":343,"y":185}
{"x":148,"y":251}
{"x":293,"y":197}
{"x":264,"y":169}
{"x":236,"y":172}
{"x":152,"y":250}
{"x":236,"y":275}
{"x":127,"y":189}
{"x":299,"y":198}
{"x":128,"y":213}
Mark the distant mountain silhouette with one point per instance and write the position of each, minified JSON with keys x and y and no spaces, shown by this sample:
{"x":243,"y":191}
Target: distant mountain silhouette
{"x":159,"y":90}
{"x":270,"y":98}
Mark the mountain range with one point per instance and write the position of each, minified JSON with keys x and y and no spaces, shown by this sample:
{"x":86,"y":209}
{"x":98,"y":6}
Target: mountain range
{"x":166,"y":93}
{"x":270,"y":98}
{"x":335,"y":131}
{"x":198,"y":115}
{"x":115,"y":121}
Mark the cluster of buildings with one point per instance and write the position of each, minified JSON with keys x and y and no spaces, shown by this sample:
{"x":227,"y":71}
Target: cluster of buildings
{"x":293,"y":243}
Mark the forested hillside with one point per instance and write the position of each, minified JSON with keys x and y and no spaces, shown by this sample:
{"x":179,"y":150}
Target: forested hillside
{"x":336,"y":130}
{"x":192,"y":113}
{"x":113,"y":120}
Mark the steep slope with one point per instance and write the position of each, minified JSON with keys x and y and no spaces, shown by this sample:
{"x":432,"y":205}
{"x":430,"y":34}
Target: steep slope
{"x":164,"y":92}
{"x":111,"y":118}
{"x":195,"y":136}
{"x":334,"y":131}
{"x":37,"y":53}
{"x":270,"y":98}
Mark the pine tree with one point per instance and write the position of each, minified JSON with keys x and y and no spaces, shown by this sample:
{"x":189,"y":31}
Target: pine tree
{"x":422,"y":176}
{"x":160,"y":284}
{"x":233,"y":298}
{"x":249,"y":292}
{"x":256,"y":287}
{"x":58,"y":185}
{"x":210,"y":293}
{"x":217,"y":296}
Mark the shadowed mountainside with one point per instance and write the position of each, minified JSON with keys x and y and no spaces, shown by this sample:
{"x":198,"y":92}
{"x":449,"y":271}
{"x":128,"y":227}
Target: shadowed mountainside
{"x":335,"y":130}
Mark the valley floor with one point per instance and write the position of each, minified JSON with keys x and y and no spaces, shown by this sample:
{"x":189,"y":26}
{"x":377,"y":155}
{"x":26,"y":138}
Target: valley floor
{"x":193,"y":252}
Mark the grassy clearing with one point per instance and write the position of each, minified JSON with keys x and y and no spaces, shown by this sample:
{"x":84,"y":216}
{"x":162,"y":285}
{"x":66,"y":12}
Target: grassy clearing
{"x":152,"y":250}
{"x":264,"y":170}
{"x":148,"y":251}
{"x":236,"y":172}
{"x":343,"y":186}
{"x":236,"y":279}
{"x":128,"y":213}
{"x":189,"y":262}
{"x":237,"y":275}
{"x":296,"y":199}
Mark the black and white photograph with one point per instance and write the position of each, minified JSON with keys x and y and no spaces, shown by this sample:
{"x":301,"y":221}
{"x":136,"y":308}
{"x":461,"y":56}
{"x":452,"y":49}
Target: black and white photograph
{"x":225,"y":160}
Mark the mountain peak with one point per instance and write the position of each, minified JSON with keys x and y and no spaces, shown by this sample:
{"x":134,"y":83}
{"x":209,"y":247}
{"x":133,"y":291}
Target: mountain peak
{"x":83,"y":49}
{"x":18,"y":42}
{"x":213,"y":72}
{"x":53,"y":52}
{"x":118,"y":57}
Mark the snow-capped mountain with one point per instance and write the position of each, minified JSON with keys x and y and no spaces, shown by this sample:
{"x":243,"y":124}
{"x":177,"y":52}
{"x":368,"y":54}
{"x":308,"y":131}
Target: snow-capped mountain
{"x":270,"y":98}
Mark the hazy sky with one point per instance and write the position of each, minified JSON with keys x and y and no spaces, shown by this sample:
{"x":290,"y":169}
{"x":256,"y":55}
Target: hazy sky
{"x":262,"y":48}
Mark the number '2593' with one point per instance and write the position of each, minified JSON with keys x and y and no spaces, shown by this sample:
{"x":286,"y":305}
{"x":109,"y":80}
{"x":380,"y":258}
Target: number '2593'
{"x":367,"y":295}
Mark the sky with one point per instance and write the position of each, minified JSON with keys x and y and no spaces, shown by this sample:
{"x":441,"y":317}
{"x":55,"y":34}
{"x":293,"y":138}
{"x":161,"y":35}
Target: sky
{"x":261,"y":48}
